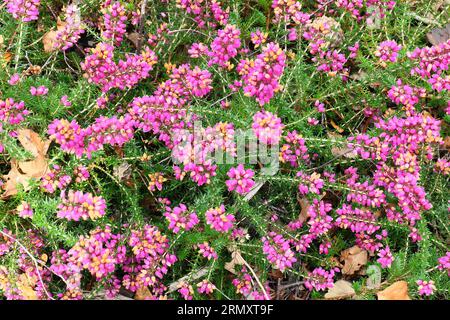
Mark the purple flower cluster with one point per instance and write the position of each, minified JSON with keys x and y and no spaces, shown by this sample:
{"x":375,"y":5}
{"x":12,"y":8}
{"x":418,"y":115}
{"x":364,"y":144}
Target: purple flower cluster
{"x":101,"y":69}
{"x":219,"y":220}
{"x":240,"y":179}
{"x":261,"y":76}
{"x":278,"y":251}
{"x":25,"y":10}
{"x":78,"y":205}
{"x":114,"y":21}
{"x":67,"y":36}
{"x":180,"y":218}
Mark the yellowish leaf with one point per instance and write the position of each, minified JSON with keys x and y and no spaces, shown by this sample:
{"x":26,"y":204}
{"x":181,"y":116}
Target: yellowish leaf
{"x":396,"y":291}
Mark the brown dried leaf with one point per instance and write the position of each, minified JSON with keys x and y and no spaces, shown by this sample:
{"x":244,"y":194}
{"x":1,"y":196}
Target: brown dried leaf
{"x":341,"y":290}
{"x":336,"y":127}
{"x":7,"y":56}
{"x":135,"y":38}
{"x":354,"y":259}
{"x":142,"y":294}
{"x":26,"y":287}
{"x":396,"y":291}
{"x":439,"y":35}
{"x":236,"y":259}
{"x":122,"y":171}
{"x":304,"y":204}
{"x":32,"y":142}
{"x":22,"y":171}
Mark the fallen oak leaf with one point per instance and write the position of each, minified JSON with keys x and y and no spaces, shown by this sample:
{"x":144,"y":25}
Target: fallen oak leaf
{"x":22,"y":171}
{"x":341,"y":290}
{"x":143,"y":293}
{"x":396,"y":291}
{"x":236,"y":259}
{"x":354,"y":259}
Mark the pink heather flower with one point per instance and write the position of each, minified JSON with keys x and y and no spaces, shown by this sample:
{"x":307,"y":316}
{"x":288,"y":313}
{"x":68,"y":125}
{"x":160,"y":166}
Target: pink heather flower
{"x":12,"y":112}
{"x":444,"y":263}
{"x":319,"y":106}
{"x":425,"y":287}
{"x":205,"y":14}
{"x":323,"y":248}
{"x":431,"y":64}
{"x":6,"y":242}
{"x":388,"y":51}
{"x":332,"y":62}
{"x":67,"y":36}
{"x":39,"y":91}
{"x":25,"y":10}
{"x":267,"y":127}
{"x":310,"y":183}
{"x":78,"y":205}
{"x":205,"y":287}
{"x":442,"y":166}
{"x":149,"y":260}
{"x":65,"y":101}
{"x":258,"y":38}
{"x":55,"y":179}
{"x":219,"y":220}
{"x":99,"y":253}
{"x":24,"y":210}
{"x":114,"y":20}
{"x":180,"y":218}
{"x":186,"y":290}
{"x":294,"y":151}
{"x":225,"y":46}
{"x":15,"y":78}
{"x":385,"y":257}
{"x":240,"y":179}
{"x":319,"y":221}
{"x":69,"y":135}
{"x":320,"y":279}
{"x":313,"y":121}
{"x":156,"y":181}
{"x":207,"y":251}
{"x":406,"y":95}
{"x":197,"y":50}
{"x":278,"y":251}
{"x":261,"y":76}
{"x":101,"y":69}
{"x":81,"y":174}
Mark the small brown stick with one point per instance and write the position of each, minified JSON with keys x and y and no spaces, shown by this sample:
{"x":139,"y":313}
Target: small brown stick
{"x":141,"y":25}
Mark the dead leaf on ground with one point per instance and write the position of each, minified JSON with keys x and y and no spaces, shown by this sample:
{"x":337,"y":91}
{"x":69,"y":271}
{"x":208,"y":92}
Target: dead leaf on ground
{"x":354,"y":259}
{"x":344,"y":150}
{"x":439,"y":35}
{"x":341,"y":290}
{"x":22,"y":171}
{"x":396,"y":291}
{"x":236,"y":259}
{"x":26,"y":287}
{"x":135,"y":38}
{"x":304,"y":204}
{"x":142,"y":294}
{"x":122,"y":171}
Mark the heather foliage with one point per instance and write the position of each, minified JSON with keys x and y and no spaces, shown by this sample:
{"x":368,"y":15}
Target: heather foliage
{"x":243,"y":147}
